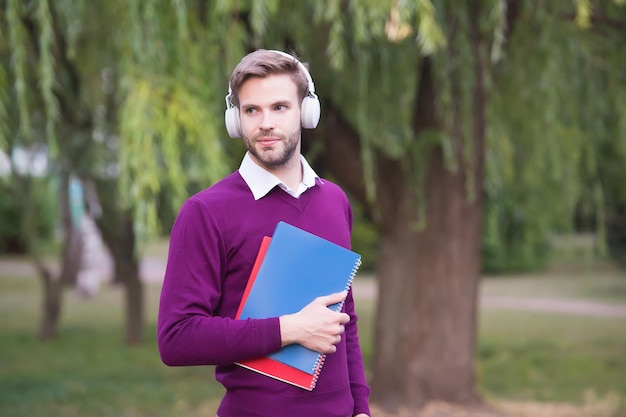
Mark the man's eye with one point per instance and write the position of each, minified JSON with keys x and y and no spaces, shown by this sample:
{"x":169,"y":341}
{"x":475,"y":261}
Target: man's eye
{"x":250,"y":110}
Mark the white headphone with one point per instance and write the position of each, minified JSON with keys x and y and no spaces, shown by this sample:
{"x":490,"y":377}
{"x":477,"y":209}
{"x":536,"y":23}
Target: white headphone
{"x":309,"y":109}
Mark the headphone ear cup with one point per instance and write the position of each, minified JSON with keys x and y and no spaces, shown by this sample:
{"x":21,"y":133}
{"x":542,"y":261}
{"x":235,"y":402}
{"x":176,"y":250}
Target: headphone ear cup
{"x":310,"y":112}
{"x":233,"y":122}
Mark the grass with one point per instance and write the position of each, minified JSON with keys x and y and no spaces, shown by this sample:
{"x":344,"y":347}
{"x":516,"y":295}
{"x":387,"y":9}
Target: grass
{"x":87,"y":371}
{"x":547,"y":357}
{"x":522,"y":358}
{"x":532,"y":356}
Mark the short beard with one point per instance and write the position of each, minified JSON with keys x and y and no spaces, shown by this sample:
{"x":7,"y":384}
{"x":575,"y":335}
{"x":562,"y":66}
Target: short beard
{"x":291,"y":145}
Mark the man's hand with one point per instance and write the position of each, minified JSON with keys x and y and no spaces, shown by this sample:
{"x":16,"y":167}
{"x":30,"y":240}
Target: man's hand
{"x":315,"y":327}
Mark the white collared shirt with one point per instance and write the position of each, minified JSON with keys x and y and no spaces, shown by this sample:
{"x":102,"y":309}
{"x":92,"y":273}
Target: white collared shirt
{"x":262,"y":182}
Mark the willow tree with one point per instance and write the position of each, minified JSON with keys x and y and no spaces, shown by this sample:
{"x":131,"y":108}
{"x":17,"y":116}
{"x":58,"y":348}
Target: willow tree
{"x":564,"y":158}
{"x":131,"y":104}
{"x":27,"y":61}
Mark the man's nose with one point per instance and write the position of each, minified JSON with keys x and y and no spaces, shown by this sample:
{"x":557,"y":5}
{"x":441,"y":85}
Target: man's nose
{"x":267,"y":121}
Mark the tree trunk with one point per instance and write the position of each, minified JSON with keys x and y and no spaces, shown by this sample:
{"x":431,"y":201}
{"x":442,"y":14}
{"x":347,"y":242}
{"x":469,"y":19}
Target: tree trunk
{"x":428,"y":269}
{"x":116,"y":228}
{"x":134,"y":297}
{"x":51,"y":308}
{"x":119,"y":236}
{"x":428,"y":282}
{"x":54,"y":284}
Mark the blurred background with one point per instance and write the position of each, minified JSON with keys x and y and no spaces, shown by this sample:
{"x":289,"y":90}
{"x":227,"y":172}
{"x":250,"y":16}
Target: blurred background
{"x":482,"y":145}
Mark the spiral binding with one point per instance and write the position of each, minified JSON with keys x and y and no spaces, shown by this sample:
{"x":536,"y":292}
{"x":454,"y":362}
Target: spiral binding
{"x":355,"y":268}
{"x":317,"y":368}
{"x":316,"y":373}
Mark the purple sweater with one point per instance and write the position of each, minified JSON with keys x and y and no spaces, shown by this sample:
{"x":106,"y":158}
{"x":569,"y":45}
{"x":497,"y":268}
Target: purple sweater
{"x":213,"y":246}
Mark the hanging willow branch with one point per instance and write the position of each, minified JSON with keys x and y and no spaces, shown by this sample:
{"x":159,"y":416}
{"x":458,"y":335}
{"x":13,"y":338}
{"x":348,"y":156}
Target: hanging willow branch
{"x":46,"y":72}
{"x":159,"y":118}
{"x":18,"y":42}
{"x":4,"y":103}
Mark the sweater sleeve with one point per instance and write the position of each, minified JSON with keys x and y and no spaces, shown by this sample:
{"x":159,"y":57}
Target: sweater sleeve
{"x":358,"y":384}
{"x":356,"y":369}
{"x":189,"y":332}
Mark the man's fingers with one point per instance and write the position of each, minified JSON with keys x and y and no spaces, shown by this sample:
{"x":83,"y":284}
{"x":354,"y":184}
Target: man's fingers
{"x":332,"y":298}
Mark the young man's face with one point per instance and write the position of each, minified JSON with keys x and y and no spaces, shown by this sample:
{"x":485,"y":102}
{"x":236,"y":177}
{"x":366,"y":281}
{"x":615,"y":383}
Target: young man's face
{"x":270,"y":120}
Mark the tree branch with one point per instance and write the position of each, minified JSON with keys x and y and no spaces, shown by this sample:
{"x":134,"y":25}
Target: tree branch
{"x":511,"y":17}
{"x":341,"y":154}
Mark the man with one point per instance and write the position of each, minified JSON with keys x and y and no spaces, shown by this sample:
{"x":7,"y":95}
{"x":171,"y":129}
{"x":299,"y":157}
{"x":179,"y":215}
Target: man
{"x":215,"y":240}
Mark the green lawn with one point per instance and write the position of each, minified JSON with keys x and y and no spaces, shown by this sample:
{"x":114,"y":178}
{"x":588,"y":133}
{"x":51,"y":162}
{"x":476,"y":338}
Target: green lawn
{"x":532,"y":356}
{"x":547,"y":357}
{"x":87,"y":371}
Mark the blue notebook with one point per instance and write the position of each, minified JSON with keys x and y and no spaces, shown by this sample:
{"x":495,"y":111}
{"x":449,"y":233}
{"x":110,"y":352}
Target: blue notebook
{"x":296,"y":268}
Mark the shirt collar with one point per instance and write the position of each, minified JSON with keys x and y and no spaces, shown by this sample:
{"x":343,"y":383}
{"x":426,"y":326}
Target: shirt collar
{"x":262,"y":182}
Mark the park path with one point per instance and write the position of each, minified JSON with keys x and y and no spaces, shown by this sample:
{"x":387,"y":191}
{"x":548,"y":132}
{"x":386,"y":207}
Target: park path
{"x":365,"y":287}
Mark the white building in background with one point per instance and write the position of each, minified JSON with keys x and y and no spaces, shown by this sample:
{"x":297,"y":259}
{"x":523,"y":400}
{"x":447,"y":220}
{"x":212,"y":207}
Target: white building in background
{"x":26,"y":161}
